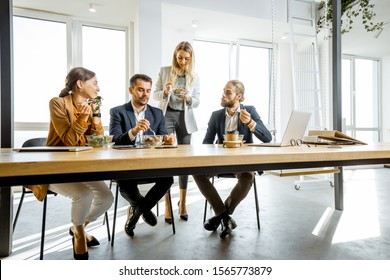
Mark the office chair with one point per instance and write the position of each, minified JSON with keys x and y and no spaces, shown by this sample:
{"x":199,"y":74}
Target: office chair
{"x":34,"y":142}
{"x":231,"y":175}
{"x":116,"y":208}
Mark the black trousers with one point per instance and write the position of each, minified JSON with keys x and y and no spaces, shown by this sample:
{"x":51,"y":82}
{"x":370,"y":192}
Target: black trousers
{"x":130,"y":191}
{"x":174,"y":121}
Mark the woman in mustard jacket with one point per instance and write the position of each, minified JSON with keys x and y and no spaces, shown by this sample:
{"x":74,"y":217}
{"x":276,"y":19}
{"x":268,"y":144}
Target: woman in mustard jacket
{"x":71,"y":119}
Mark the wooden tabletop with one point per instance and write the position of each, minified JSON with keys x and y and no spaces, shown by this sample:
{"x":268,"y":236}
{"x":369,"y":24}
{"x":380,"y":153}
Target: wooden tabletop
{"x":185,"y":156}
{"x":18,"y":168}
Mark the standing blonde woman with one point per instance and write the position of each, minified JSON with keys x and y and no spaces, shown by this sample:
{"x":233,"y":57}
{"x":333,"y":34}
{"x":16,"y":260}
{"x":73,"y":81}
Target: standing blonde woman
{"x":177,"y":91}
{"x":71,"y":119}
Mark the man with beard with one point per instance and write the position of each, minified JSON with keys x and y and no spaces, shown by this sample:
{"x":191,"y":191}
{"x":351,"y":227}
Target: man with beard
{"x":127,"y":123}
{"x":233,"y":117}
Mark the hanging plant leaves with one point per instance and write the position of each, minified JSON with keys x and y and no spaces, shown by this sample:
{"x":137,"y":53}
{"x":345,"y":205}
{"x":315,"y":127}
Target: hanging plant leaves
{"x":349,"y":9}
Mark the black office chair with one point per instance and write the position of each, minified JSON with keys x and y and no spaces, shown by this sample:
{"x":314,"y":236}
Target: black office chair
{"x":34,"y":142}
{"x":231,"y":175}
{"x":116,"y":208}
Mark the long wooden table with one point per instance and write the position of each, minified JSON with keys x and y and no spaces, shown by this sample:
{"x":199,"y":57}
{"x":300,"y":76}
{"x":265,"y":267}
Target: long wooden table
{"x":19,"y":168}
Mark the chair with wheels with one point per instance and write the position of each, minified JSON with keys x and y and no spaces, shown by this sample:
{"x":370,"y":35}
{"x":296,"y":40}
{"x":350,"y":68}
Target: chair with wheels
{"x":231,"y":175}
{"x":116,"y":208}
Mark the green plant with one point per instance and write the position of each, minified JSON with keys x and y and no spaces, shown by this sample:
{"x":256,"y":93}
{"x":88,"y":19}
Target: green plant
{"x":97,"y":100}
{"x":350,"y":10}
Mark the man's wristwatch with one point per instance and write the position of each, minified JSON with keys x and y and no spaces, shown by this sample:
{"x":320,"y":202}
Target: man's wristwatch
{"x":97,"y":115}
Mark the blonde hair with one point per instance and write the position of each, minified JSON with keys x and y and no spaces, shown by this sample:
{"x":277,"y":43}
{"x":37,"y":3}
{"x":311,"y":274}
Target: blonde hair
{"x":183,"y":46}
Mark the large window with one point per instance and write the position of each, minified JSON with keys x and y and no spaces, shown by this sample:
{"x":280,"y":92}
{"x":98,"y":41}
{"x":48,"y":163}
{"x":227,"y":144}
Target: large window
{"x":110,"y":69}
{"x":219,"y":62}
{"x":360,"y":92}
{"x":45,"y":47}
{"x":212,"y":80}
{"x":254,"y":71}
{"x":40,"y":62}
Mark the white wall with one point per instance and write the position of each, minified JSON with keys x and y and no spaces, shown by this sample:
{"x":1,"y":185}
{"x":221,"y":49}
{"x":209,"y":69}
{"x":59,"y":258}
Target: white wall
{"x":154,"y":45}
{"x":284,"y":101}
{"x":148,"y":37}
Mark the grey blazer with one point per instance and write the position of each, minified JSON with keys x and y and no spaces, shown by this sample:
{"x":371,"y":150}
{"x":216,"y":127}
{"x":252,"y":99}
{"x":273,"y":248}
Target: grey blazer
{"x":193,"y":91}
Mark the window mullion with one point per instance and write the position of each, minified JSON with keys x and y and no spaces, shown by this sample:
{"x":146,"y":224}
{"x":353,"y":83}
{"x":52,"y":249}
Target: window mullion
{"x":76,"y":45}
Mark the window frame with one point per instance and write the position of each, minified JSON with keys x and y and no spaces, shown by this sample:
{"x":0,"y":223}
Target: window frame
{"x":234,"y":71}
{"x":352,"y":128}
{"x":74,"y":52}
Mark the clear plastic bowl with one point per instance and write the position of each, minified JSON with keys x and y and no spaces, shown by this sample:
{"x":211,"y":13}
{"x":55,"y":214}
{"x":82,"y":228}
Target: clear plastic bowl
{"x":99,"y":141}
{"x":239,"y":138}
{"x":152,"y":140}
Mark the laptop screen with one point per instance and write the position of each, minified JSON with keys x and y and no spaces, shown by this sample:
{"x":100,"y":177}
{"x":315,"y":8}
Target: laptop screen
{"x":296,"y":127}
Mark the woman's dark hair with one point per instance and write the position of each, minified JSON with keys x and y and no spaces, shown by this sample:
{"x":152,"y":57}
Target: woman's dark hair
{"x":75,"y":74}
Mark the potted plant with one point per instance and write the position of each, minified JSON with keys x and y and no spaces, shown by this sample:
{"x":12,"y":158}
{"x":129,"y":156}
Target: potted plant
{"x":350,"y":10}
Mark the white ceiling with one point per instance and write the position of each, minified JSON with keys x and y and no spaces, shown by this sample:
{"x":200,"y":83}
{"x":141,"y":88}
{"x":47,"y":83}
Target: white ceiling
{"x":358,"y":41}
{"x":114,"y":12}
{"x":214,"y":24}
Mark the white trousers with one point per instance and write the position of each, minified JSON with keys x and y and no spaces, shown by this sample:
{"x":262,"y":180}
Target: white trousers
{"x":89,"y":199}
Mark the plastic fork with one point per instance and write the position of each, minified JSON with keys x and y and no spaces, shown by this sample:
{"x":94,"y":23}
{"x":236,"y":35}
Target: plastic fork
{"x":154,"y":133}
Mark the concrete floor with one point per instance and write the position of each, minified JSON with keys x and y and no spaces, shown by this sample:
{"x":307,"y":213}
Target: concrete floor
{"x":295,"y":225}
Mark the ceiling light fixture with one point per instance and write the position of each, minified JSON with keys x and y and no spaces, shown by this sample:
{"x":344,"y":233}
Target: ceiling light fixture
{"x":195,"y":23}
{"x":92,"y":8}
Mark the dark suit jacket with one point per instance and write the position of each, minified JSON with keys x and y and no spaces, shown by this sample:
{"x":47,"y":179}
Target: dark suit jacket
{"x":216,"y":126}
{"x":122,"y":119}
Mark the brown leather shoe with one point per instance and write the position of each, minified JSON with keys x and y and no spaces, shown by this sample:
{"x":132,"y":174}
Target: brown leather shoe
{"x":149,"y":218}
{"x":212,"y":223}
{"x":228,"y":225}
{"x":133,"y":215}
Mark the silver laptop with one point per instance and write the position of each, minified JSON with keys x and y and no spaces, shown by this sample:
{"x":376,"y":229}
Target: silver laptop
{"x":295,"y":129}
{"x":53,"y":149}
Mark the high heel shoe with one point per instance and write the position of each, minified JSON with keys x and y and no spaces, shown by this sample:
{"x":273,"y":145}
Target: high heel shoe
{"x":182,"y":216}
{"x":91,"y":243}
{"x":168,"y":220}
{"x":83,"y":256}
